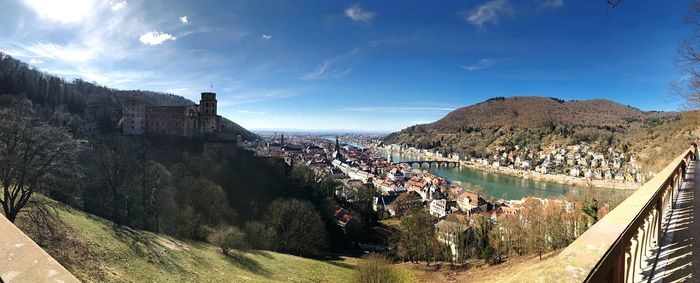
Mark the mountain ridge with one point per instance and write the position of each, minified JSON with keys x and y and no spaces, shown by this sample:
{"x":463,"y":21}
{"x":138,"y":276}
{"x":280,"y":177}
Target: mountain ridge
{"x":539,"y":111}
{"x":533,"y":121}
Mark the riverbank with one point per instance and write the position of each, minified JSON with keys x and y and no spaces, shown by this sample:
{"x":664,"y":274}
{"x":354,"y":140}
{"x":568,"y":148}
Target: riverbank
{"x":530,"y":175}
{"x":558,"y":178}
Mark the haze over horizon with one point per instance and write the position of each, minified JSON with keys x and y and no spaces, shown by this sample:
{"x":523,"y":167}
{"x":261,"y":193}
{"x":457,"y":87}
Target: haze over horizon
{"x":321,"y":65}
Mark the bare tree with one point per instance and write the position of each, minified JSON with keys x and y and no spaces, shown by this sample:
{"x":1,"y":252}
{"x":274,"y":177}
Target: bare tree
{"x":689,"y":60}
{"x":115,"y":166}
{"x":34,"y":156}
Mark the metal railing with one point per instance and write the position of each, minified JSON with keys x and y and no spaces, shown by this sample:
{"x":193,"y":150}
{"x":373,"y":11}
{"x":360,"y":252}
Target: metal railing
{"x":624,"y":245}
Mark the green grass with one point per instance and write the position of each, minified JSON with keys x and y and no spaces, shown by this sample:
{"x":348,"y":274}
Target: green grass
{"x":105,"y":253}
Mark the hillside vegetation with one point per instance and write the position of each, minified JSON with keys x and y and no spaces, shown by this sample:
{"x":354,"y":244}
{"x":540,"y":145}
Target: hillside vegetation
{"x":95,"y":250}
{"x":68,"y":100}
{"x":657,"y":146}
{"x":539,"y":121}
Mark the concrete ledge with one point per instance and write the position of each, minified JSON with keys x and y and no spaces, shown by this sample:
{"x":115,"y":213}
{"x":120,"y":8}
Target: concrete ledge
{"x":22,"y":260}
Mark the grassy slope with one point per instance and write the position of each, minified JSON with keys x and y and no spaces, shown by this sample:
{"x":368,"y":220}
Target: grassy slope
{"x":127,"y":255}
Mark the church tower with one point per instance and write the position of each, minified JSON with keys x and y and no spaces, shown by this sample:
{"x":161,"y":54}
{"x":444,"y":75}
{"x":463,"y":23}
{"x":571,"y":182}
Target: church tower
{"x":336,"y":153}
{"x":337,"y":145}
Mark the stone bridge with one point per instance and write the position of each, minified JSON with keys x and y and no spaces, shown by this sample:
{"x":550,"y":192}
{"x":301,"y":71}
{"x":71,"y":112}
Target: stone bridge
{"x":431,"y":163}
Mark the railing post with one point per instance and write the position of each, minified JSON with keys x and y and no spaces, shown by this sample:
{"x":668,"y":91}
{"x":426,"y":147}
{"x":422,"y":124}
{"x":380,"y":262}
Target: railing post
{"x":617,"y":272}
{"x":630,"y":257}
{"x":632,"y":261}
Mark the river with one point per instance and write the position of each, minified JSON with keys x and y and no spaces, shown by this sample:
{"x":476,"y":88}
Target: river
{"x":502,"y":186}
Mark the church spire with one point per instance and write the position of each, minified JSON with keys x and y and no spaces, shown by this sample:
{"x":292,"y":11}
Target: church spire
{"x":337,"y":145}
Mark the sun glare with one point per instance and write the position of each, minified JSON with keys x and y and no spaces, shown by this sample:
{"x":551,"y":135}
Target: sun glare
{"x":64,"y":11}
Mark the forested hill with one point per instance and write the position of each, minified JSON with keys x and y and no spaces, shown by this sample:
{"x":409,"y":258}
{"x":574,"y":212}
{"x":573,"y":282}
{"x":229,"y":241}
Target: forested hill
{"x":531,"y":121}
{"x":56,"y":95}
{"x":532,"y":111}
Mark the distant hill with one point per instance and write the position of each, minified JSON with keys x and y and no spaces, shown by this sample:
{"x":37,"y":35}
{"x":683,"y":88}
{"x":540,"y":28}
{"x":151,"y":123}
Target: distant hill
{"x":55,"y":94}
{"x":532,"y":121}
{"x":532,"y":111}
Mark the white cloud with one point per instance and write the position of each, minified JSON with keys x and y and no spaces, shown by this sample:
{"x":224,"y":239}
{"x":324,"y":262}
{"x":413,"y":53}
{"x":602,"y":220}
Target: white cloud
{"x":266,"y":36}
{"x":357,"y":14}
{"x":184,"y":20}
{"x":482,"y":64}
{"x":116,"y":6}
{"x":111,"y":79}
{"x":487,"y":13}
{"x":63,"y":53}
{"x":551,"y":4}
{"x":155,"y":37}
{"x":73,"y":11}
{"x":328,"y":68}
{"x":35,"y":61}
{"x":258,"y":96}
{"x":14,"y":53}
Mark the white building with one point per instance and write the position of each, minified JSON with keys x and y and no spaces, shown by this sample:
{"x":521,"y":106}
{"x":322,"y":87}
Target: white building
{"x":438,"y":208}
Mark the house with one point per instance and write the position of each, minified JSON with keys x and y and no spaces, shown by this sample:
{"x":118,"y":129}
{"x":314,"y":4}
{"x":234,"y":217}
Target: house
{"x":346,"y":193}
{"x":341,"y":216}
{"x":430,"y":193}
{"x":396,"y":175}
{"x":598,"y":174}
{"x":617,"y":163}
{"x":380,"y":204}
{"x":502,"y":211}
{"x":450,"y":233}
{"x":525,"y":164}
{"x":468,"y":201}
{"x":388,"y":203}
{"x":438,"y":208}
{"x":619,"y":176}
{"x":575,"y":172}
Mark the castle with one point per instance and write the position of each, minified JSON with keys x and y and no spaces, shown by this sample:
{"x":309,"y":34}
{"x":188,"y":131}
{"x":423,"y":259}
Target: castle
{"x":200,"y":119}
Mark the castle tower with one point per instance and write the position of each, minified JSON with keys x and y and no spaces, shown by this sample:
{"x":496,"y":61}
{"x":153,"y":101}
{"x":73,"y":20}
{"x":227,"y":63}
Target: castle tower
{"x":208,"y":103}
{"x":209,"y":121}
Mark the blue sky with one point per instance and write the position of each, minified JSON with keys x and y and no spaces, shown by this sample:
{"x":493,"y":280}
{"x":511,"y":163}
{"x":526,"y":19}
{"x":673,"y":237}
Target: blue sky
{"x":356,"y":65}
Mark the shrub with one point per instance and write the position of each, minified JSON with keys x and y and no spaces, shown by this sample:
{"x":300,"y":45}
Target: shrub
{"x":227,"y":238}
{"x":298,"y":228}
{"x":257,"y":235}
{"x":374,"y":268}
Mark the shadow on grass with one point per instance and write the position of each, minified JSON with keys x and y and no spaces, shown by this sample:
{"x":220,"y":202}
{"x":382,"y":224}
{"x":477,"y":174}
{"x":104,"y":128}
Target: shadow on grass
{"x":341,"y":264}
{"x":262,"y":253}
{"x":146,"y":246}
{"x":240,"y":260}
